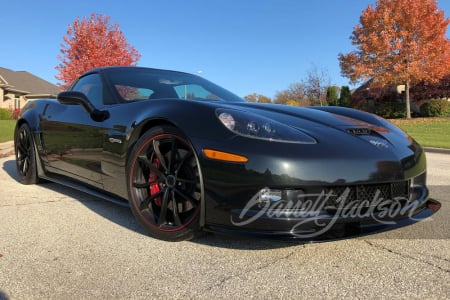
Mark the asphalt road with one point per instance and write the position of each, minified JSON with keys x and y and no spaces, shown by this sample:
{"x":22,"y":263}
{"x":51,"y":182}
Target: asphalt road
{"x":56,"y":243}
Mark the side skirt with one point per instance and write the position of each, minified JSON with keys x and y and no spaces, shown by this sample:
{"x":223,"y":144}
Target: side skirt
{"x":86,"y":189}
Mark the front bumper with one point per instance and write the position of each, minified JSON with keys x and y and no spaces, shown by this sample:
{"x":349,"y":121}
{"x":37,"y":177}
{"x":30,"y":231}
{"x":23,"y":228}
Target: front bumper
{"x":327,"y":228}
{"x":324,"y":212}
{"x":230,"y":188}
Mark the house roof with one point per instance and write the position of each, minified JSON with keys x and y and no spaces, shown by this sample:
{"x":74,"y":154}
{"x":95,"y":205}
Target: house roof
{"x":25,"y":82}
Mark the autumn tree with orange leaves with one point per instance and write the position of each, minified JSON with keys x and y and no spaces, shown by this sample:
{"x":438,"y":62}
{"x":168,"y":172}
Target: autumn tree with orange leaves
{"x":399,"y":42}
{"x":91,"y":43}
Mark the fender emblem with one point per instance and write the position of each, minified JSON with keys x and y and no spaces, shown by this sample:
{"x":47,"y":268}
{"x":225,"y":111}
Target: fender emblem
{"x":113,"y":140}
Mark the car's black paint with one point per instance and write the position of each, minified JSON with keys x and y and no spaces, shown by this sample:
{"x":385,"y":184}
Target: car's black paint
{"x":87,"y":147}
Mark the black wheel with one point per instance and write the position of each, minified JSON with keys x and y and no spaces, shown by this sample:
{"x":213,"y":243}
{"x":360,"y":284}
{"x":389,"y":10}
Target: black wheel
{"x":25,"y":155}
{"x":164,"y":184}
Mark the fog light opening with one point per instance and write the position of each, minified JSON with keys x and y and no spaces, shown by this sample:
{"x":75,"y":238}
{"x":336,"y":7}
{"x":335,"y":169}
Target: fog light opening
{"x":267,"y":197}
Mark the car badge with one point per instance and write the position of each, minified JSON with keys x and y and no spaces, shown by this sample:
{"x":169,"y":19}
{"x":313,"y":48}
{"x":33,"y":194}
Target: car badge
{"x":359,"y":131}
{"x":379,"y":144}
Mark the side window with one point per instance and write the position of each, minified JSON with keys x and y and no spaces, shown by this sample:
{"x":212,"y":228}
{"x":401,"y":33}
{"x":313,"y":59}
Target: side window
{"x":130,"y":93}
{"x":194,"y":91}
{"x":92,"y":87}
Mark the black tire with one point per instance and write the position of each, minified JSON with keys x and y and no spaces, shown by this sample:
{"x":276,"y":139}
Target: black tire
{"x":25,"y":155}
{"x":165,"y":185}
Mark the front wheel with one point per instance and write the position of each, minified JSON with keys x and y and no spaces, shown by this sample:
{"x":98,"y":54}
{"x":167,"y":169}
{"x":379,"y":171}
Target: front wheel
{"x":164,"y":184}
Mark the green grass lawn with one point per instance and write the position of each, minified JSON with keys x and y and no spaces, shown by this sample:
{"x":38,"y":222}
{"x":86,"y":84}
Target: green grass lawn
{"x":7,"y":130}
{"x":429,"y":132}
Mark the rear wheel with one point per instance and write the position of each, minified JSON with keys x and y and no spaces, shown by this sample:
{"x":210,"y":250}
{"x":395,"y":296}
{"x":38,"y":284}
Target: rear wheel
{"x":25,"y":155}
{"x":164,"y":184}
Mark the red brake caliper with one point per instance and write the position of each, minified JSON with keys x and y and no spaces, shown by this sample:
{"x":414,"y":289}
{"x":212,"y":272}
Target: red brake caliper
{"x":154,"y":188}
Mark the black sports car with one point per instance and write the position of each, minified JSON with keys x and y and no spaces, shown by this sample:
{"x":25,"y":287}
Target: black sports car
{"x":187,"y":155}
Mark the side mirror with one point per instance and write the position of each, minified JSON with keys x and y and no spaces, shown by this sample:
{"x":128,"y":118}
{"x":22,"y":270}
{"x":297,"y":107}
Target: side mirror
{"x":72,"y":97}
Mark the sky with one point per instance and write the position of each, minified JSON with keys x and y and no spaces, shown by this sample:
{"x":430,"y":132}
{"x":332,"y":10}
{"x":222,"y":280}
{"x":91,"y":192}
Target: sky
{"x":246,"y":46}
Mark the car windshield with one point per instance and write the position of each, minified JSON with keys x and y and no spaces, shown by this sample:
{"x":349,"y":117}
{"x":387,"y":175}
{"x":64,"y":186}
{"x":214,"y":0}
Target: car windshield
{"x":136,"y":84}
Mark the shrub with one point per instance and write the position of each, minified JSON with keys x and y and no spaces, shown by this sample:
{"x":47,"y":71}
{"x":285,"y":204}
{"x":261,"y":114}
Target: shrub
{"x":292,"y":103}
{"x":390,"y":110}
{"x":5,"y":114}
{"x":435,"y":108}
{"x":15,"y":114}
{"x":345,"y":98}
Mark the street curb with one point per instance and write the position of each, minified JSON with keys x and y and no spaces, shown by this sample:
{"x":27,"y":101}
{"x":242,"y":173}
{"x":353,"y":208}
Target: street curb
{"x":437,"y":150}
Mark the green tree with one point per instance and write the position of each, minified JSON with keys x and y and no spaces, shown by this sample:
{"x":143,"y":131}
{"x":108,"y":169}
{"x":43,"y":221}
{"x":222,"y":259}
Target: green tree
{"x":333,"y":95}
{"x":345,"y":97}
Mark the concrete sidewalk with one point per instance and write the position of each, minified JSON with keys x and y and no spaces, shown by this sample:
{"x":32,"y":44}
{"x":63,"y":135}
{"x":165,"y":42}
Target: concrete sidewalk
{"x":6,"y":149}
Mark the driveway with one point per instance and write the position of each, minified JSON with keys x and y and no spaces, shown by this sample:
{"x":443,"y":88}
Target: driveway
{"x":56,"y":243}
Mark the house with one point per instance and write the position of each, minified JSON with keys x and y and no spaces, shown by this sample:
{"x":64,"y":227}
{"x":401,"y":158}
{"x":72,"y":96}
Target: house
{"x":366,"y":96}
{"x":374,"y":99}
{"x":17,"y":87}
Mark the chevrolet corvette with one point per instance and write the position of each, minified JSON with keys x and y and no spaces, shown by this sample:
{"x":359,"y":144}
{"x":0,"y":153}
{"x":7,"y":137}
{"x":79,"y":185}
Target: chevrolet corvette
{"x":188,"y":156}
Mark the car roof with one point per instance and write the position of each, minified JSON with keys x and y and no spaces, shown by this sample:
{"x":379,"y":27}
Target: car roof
{"x":118,"y":68}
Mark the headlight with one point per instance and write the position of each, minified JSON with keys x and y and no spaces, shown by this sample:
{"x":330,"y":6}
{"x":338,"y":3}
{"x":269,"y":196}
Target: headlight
{"x":262,"y":128}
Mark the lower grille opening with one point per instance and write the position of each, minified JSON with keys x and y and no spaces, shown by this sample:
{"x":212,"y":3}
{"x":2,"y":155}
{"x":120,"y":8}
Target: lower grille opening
{"x":367,"y":195}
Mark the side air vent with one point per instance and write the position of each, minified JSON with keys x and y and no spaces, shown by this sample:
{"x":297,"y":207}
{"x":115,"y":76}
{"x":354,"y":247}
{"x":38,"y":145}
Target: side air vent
{"x":359,"y":131}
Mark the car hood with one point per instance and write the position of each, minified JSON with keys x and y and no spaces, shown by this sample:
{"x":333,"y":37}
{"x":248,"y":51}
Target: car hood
{"x":304,"y":117}
{"x":339,"y":126}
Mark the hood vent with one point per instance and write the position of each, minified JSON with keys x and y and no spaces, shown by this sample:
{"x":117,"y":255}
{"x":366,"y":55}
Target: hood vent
{"x":359,"y":131}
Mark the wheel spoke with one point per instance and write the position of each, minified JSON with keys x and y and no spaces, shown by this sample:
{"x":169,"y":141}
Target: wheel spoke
{"x":176,"y":217}
{"x":22,"y":149}
{"x":185,"y":158}
{"x":25,"y":141}
{"x":139,"y":185}
{"x":189,"y":198}
{"x":156,"y":145}
{"x":144,"y":185}
{"x":143,"y":159}
{"x":22,"y":136}
{"x":25,"y":166}
{"x":21,"y":162}
{"x":144,"y":204}
{"x":163,"y":212}
{"x":19,"y":155}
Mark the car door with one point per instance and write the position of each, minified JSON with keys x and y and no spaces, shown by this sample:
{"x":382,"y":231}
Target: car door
{"x":72,"y":140}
